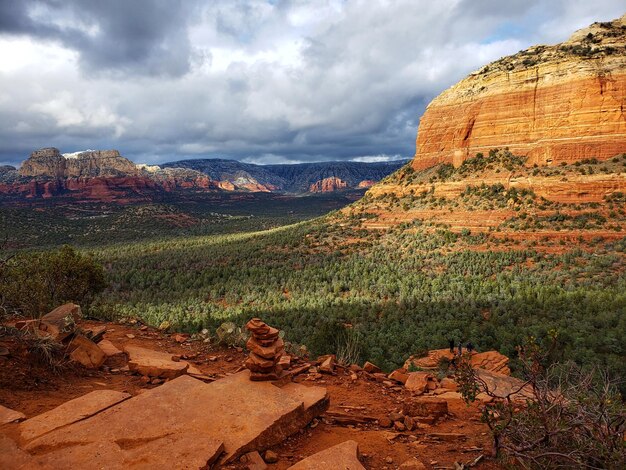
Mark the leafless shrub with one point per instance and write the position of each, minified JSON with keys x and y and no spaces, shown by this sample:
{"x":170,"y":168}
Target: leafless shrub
{"x":563,"y":416}
{"x":46,"y":351}
{"x":349,"y":349}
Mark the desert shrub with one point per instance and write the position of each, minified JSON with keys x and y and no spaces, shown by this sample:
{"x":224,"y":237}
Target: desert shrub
{"x":34,"y":283}
{"x":572,"y":417}
{"x":349,"y":347}
{"x":46,"y":352}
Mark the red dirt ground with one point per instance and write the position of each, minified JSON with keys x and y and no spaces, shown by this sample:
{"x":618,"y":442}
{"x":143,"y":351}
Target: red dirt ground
{"x":34,"y":389}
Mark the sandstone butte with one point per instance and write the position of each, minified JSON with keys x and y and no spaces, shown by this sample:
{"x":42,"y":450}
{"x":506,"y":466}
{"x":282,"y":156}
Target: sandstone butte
{"x":329,"y":184}
{"x":560,"y":108}
{"x":554,"y":104}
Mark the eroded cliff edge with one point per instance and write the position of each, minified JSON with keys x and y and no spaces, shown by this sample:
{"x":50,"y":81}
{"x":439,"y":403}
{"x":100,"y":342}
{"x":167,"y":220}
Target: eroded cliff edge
{"x":554,"y":104}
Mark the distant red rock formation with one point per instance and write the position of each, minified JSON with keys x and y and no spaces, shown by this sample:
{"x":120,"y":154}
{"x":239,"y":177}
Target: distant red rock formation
{"x":366,"y":184}
{"x":328,"y":185}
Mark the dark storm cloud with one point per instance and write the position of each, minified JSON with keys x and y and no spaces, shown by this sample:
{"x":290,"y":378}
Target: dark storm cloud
{"x":145,"y":37}
{"x":264,"y":81}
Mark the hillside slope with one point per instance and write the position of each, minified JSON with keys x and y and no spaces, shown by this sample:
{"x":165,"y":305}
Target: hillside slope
{"x":531,"y":147}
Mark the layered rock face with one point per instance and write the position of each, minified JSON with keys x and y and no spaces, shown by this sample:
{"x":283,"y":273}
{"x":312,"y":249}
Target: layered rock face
{"x":95,"y":175}
{"x":554,"y":104}
{"x":328,"y":185}
{"x":529,"y":149}
{"x":49,"y":162}
{"x":105,"y":175}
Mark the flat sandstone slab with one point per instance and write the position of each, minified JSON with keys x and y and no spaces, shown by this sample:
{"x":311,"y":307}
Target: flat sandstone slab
{"x":7,"y":415}
{"x":113,"y":356}
{"x":14,"y":458}
{"x":70,"y":412}
{"x":184,"y":423}
{"x":174,"y":451}
{"x":154,"y":363}
{"x":316,"y":400}
{"x":344,"y":456}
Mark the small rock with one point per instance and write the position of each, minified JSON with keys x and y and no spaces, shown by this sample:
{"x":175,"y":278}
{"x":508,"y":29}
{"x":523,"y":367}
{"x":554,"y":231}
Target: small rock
{"x":270,"y":456}
{"x":449,"y":384}
{"x":399,"y":426}
{"x":413,"y":464}
{"x":399,"y":375}
{"x":144,"y":379}
{"x":371,"y":368}
{"x":8,"y":415}
{"x":328,"y":366}
{"x":389,"y":460}
{"x":385,"y":422}
{"x":418,"y":381}
{"x":212,"y":358}
{"x":143,"y":328}
{"x":86,"y":352}
{"x":409,"y":423}
{"x":130,"y":336}
{"x":395,"y":416}
{"x":180,"y":338}
{"x":253,"y":461}
{"x":285,"y":361}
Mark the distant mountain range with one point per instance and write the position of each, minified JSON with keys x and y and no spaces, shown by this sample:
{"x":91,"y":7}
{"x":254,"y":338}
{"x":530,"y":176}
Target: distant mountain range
{"x":105,"y":175}
{"x":292,"y":178}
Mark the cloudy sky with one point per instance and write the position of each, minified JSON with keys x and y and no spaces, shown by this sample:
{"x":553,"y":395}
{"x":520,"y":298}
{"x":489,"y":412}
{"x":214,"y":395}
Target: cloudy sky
{"x":257,"y":80}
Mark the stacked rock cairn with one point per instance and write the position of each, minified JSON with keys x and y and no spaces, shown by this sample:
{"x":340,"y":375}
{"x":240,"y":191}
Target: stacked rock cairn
{"x":266,"y":348}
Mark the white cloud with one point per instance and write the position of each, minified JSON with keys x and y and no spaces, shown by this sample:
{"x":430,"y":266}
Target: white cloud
{"x":267,"y":82}
{"x":378,"y":158}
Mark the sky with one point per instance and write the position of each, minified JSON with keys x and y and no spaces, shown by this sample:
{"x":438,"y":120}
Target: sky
{"x":262,"y":81}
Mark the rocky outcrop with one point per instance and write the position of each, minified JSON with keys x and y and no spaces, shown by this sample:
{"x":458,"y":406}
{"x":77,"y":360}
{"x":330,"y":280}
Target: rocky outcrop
{"x":366,"y":184}
{"x":95,"y":175}
{"x":554,"y":104}
{"x":529,"y":149}
{"x":49,"y":163}
{"x":489,"y":360}
{"x":105,"y":175}
{"x":292,"y":178}
{"x":328,"y":185}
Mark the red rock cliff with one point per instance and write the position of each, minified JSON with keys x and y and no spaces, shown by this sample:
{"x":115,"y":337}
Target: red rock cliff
{"x":328,"y":185}
{"x":554,"y":104}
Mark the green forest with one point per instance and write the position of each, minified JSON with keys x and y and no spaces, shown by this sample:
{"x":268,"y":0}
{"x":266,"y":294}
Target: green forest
{"x":396,"y":293}
{"x":389,"y":293}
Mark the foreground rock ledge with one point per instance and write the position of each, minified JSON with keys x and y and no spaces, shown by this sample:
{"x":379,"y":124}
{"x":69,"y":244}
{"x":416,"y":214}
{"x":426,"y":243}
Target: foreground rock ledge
{"x":184,"y":423}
